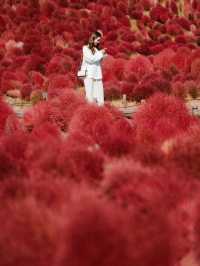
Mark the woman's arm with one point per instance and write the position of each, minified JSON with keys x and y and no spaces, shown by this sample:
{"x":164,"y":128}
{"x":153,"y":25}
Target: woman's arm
{"x":92,"y":58}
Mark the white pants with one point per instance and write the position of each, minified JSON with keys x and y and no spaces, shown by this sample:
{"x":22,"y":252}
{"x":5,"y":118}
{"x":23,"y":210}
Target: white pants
{"x":94,"y":90}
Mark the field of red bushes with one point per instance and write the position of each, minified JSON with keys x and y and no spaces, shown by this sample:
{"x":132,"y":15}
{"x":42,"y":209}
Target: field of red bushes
{"x":82,"y":185}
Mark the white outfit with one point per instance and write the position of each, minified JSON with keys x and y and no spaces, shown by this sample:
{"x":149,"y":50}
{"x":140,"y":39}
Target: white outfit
{"x":93,"y":81}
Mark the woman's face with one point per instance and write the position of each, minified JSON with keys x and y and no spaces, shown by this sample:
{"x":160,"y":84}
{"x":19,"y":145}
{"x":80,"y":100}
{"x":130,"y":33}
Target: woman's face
{"x":97,"y":41}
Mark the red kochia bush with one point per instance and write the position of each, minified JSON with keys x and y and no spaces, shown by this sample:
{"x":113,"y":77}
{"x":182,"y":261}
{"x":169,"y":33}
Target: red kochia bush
{"x":182,"y":59}
{"x":44,"y":130}
{"x":42,"y":157}
{"x":162,"y":117}
{"x":58,"y":111}
{"x":9,"y":81}
{"x":140,"y":66}
{"x":127,"y":182}
{"x":195,"y":67}
{"x":147,"y":4}
{"x":151,"y":84}
{"x":173,"y":6}
{"x":59,"y":64}
{"x":178,"y":89}
{"x":68,"y":102}
{"x":163,"y":60}
{"x":184,"y":23}
{"x":197,"y":234}
{"x":80,"y":164}
{"x":47,"y":190}
{"x":109,"y":64}
{"x":26,"y":90}
{"x":159,"y":13}
{"x":106,"y":235}
{"x":185,"y":152}
{"x":112,"y":89}
{"x":130,"y":184}
{"x":62,"y":108}
{"x":13,"y":124}
{"x":112,"y":137}
{"x":85,"y":117}
{"x":174,"y":28}
{"x":96,"y":238}
{"x":36,"y":115}
{"x":37,"y":78}
{"x":5,"y":112}
{"x":13,"y":147}
{"x":78,"y":139}
{"x":58,"y":82}
{"x":118,"y":68}
{"x":30,"y":233}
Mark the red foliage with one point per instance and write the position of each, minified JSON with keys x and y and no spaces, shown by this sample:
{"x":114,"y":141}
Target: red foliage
{"x":37,"y":78}
{"x":162,"y":117}
{"x":58,"y":82}
{"x":32,"y":233}
{"x":85,"y":117}
{"x":163,"y":60}
{"x":36,"y":115}
{"x":98,"y":239}
{"x":58,"y":111}
{"x":149,"y":85}
{"x":149,"y":189}
{"x":197,"y":234}
{"x":42,"y":157}
{"x":48,"y":7}
{"x":81,"y":164}
{"x":26,"y":91}
{"x":135,"y":14}
{"x":182,"y":59}
{"x":159,"y":13}
{"x":13,"y":124}
{"x":113,"y":139}
{"x":9,"y":81}
{"x":12,"y":153}
{"x":5,"y":112}
{"x":112,"y":89}
{"x":174,"y":7}
{"x":184,"y":23}
{"x":59,"y":64}
{"x":113,"y":68}
{"x":140,"y":66}
{"x":44,"y":130}
{"x":128,"y":89}
{"x":184,"y":153}
{"x":173,"y":28}
{"x":147,"y":4}
{"x":195,"y":67}
{"x":178,"y":89}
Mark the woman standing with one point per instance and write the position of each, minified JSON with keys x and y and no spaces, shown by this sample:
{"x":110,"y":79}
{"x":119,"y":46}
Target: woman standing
{"x":92,"y":57}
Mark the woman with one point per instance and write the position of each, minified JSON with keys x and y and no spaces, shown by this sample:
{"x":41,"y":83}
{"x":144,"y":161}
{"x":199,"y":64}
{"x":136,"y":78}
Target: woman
{"x":92,"y":57}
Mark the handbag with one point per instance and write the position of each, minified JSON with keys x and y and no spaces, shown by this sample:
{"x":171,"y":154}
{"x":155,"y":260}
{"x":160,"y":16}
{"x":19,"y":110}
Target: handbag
{"x":81,"y":73}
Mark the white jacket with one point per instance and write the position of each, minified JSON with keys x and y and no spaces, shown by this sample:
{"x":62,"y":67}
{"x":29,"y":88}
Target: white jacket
{"x":92,"y":62}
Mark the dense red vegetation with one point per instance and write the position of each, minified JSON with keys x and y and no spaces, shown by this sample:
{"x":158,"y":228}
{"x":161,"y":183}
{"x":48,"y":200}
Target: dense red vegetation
{"x":80,"y":184}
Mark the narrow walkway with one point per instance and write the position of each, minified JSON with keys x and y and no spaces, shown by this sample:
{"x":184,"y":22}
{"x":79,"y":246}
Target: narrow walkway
{"x":128,"y":108}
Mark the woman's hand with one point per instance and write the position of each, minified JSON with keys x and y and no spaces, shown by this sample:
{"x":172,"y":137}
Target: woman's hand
{"x":104,"y":50}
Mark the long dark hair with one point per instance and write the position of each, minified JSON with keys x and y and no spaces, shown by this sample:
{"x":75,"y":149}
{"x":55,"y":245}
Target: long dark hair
{"x":92,"y":38}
